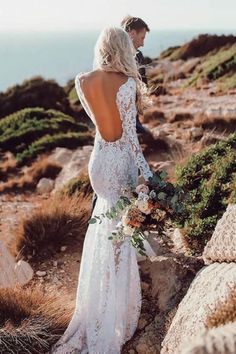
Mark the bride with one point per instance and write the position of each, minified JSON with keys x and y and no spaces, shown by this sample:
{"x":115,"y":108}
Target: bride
{"x":108,"y":299}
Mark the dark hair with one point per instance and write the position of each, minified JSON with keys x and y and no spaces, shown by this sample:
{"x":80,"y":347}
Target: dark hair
{"x":130,"y":23}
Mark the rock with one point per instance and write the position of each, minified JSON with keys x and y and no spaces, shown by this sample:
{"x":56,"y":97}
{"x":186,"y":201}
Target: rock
{"x":87,"y":148}
{"x":211,"y":285}
{"x":142,"y":348}
{"x":63,"y":248}
{"x":24,"y":272}
{"x":142,"y":323}
{"x":196,"y":132}
{"x":41,"y":273}
{"x":171,"y":276}
{"x":145,"y":286}
{"x":55,"y":263}
{"x":12,"y":273}
{"x":61,"y":155}
{"x":179,"y":241}
{"x":222,"y":245}
{"x":45,"y":185}
{"x":219,"y":340}
{"x":149,"y":340}
{"x":131,"y":351}
{"x":76,"y":166}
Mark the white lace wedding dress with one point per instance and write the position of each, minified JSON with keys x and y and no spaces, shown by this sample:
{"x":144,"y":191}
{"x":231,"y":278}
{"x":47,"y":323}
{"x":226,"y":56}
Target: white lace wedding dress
{"x":108,"y":300}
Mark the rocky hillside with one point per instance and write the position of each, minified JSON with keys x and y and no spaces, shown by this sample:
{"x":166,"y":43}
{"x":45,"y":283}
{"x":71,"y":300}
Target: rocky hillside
{"x":206,"y":60}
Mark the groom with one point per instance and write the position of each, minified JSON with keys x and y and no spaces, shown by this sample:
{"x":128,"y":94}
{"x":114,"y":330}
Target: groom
{"x":136,"y":29}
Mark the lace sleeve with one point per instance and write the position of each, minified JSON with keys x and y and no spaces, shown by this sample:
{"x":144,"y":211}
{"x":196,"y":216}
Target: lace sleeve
{"x":127,"y":104}
{"x":137,"y":152}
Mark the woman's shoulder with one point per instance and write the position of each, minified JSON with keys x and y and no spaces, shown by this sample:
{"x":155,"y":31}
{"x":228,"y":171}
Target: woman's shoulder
{"x":96,"y":77}
{"x":81,"y":76}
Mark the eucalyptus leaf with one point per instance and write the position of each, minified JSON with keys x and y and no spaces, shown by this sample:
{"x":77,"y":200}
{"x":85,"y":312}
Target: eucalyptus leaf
{"x":92,"y":221}
{"x":161,"y":195}
{"x":163,"y":174}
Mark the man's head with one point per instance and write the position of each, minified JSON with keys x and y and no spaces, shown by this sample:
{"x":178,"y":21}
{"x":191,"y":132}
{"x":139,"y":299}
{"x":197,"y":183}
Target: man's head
{"x":136,"y":28}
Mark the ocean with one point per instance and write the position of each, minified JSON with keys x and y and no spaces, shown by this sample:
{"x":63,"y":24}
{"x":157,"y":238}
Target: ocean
{"x":61,"y":55}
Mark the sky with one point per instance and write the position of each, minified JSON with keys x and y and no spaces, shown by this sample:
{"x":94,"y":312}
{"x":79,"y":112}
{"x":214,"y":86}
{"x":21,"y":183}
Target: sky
{"x":50,"y":15}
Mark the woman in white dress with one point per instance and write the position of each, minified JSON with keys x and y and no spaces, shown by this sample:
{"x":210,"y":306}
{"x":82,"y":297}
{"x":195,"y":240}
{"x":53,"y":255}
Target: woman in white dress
{"x":108,"y":300}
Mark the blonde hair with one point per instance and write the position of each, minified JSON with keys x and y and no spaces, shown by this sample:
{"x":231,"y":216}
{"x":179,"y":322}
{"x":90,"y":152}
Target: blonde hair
{"x":114,"y":51}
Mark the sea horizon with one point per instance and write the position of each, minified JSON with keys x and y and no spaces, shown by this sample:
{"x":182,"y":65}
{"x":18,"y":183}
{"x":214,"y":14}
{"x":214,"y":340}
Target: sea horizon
{"x":60,"y":55}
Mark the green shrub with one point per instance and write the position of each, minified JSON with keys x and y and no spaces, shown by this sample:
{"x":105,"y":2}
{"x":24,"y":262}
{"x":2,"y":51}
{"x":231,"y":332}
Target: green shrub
{"x":23,"y":127}
{"x":31,"y":131}
{"x":69,"y":140}
{"x":209,"y":178}
{"x":35,"y":92}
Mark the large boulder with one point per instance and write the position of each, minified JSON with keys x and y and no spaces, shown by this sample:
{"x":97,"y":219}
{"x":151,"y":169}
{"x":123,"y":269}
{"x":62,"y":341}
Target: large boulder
{"x":76,"y":164}
{"x":222,"y":245}
{"x":171,"y":275}
{"x":219,"y":340}
{"x":211,"y":285}
{"x":61,"y":155}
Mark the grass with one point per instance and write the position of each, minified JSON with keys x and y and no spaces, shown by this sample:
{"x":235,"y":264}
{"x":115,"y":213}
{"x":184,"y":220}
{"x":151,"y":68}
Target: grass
{"x":29,"y":180}
{"x":78,"y":186}
{"x":32,"y":321}
{"x":227,"y":82}
{"x":8,"y":166}
{"x":223,"y":123}
{"x":57,"y":220}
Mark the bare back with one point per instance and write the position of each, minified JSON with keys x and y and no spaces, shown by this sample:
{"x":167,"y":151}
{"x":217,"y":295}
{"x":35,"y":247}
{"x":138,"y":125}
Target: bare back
{"x":100,"y":91}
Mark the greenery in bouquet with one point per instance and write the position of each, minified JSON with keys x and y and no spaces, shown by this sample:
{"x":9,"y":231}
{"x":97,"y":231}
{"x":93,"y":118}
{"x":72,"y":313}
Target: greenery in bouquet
{"x":144,"y":208}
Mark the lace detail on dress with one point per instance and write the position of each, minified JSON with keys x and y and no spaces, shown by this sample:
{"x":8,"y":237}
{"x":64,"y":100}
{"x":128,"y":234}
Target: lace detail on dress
{"x":108,"y":299}
{"x":126,"y":103}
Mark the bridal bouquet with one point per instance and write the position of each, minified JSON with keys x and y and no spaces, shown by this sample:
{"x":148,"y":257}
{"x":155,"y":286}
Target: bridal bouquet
{"x":143,"y":209}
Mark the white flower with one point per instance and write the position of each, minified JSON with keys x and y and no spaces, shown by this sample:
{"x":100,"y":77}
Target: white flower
{"x":152,"y":194}
{"x":142,"y":188}
{"x":143,"y":206}
{"x":128,"y":230}
{"x":143,"y":196}
{"x":124,"y":219}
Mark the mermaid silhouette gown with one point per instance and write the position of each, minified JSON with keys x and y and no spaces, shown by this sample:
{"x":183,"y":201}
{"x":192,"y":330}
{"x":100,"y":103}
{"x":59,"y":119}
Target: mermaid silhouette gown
{"x":108,"y":299}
